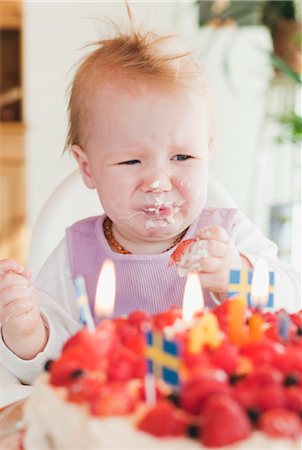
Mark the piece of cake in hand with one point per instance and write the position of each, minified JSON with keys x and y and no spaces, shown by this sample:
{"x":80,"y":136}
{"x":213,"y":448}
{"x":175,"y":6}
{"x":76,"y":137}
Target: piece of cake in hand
{"x":187,"y":255}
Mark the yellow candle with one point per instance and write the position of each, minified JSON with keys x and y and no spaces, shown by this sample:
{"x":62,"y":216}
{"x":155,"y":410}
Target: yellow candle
{"x":256,"y":327}
{"x":237,"y":330}
{"x":206,"y":331}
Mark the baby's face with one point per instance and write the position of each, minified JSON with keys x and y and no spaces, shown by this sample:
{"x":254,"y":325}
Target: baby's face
{"x":148,"y":155}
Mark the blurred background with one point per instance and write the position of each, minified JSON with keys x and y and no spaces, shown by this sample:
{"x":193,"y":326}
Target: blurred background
{"x":251,"y":52}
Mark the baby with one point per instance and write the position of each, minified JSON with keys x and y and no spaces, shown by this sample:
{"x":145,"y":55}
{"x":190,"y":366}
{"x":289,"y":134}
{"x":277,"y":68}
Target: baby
{"x":141,"y":132}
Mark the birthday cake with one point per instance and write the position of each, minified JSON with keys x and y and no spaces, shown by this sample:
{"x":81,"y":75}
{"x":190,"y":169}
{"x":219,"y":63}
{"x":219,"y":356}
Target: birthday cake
{"x":156,"y":382}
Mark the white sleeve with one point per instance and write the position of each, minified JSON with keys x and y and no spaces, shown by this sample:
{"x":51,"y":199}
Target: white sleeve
{"x":59,"y":312}
{"x":253,"y":245}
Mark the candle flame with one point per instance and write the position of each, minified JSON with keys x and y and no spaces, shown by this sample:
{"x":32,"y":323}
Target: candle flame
{"x":260,"y":284}
{"x":193,"y":299}
{"x":105,"y":291}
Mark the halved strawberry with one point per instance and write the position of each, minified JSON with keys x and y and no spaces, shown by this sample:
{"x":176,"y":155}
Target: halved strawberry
{"x":125,"y":364}
{"x":294,"y":399}
{"x":84,"y":389}
{"x":226,"y":357}
{"x":163,"y":420}
{"x":196,"y":392}
{"x":280,"y":423}
{"x":179,"y":251}
{"x":223,"y":422}
{"x":139,"y":318}
{"x":113,"y":399}
{"x":166,"y":318}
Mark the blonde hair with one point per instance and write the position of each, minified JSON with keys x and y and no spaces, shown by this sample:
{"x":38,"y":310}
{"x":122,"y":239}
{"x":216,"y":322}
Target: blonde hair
{"x":134,"y":55}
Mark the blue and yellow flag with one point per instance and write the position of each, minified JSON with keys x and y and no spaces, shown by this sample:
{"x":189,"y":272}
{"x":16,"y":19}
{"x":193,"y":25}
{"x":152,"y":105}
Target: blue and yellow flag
{"x":241,"y":283}
{"x":162,"y":358}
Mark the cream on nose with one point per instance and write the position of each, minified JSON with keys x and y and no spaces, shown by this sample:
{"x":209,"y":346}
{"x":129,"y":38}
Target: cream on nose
{"x":157,"y":185}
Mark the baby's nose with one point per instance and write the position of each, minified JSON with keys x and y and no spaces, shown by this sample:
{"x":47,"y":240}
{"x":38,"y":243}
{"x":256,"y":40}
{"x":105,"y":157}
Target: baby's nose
{"x":161,"y":184}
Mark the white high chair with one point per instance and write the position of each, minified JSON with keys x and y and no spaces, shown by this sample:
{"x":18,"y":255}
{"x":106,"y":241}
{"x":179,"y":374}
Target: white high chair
{"x":72,"y":201}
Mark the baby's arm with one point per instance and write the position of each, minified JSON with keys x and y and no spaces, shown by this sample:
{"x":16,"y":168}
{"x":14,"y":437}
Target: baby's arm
{"x":23,"y":329}
{"x":58,"y":310}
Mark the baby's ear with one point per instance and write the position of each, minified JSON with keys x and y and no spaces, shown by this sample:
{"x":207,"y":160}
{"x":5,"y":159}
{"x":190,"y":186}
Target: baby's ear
{"x":84,"y":166}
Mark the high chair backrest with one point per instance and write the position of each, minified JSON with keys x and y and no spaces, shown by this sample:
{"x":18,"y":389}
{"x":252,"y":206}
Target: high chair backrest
{"x":72,"y":201}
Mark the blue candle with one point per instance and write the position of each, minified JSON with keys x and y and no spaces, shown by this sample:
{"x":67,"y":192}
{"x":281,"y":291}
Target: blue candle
{"x":83,"y":304}
{"x":283,"y":325}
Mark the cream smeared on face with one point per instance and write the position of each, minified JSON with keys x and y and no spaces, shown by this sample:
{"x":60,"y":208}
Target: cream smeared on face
{"x":151,"y":171}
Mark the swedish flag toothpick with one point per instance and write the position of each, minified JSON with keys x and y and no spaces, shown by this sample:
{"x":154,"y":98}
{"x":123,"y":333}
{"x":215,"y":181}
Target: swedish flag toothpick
{"x":162,"y":358}
{"x":241,"y":283}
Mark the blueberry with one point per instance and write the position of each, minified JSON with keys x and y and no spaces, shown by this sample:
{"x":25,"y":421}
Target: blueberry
{"x":254,"y":414}
{"x":291,"y":380}
{"x":47,"y":365}
{"x":77,"y":374}
{"x":174,"y":398}
{"x":193,"y":431}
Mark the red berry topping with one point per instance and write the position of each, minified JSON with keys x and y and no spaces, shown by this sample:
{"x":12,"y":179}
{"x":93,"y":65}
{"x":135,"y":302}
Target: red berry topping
{"x":179,"y":251}
{"x":223,"y":422}
{"x":125,"y":364}
{"x":113,"y":399}
{"x":226,"y":357}
{"x":163,"y":420}
{"x":166,"y":318}
{"x":195,"y":393}
{"x":280,"y":423}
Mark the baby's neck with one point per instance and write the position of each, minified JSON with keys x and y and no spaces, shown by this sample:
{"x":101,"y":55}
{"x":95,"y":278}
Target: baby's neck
{"x":119,"y":244}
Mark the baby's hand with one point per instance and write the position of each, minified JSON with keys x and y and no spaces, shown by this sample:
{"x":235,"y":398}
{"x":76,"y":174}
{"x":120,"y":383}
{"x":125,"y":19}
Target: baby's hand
{"x":223,"y":256}
{"x":19,"y":306}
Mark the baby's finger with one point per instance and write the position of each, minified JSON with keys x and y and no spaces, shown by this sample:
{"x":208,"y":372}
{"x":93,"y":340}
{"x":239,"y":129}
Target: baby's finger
{"x":214,"y":233}
{"x":217,"y":249}
{"x":215,"y":282}
{"x":11,"y":279}
{"x":208,"y":265}
{"x":10,"y":265}
{"x":13,"y":293}
{"x":17,"y":308}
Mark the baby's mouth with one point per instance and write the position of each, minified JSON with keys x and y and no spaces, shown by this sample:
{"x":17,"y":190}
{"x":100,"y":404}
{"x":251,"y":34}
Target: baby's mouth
{"x":160,"y":212}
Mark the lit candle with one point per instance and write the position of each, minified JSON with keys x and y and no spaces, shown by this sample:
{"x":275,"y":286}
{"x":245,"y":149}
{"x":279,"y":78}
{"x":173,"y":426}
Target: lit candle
{"x":83,"y":304}
{"x":283,"y":325}
{"x":105,"y":291}
{"x":193,"y":301}
{"x":260,"y":284}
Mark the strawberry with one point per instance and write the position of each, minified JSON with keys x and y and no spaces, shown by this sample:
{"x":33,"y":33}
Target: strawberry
{"x":245,"y":394}
{"x":226,"y":357}
{"x":197,"y":390}
{"x":265,"y":375}
{"x":289,"y":361}
{"x":222,"y":312}
{"x":294,"y":399}
{"x":132,"y":338}
{"x":262,"y":352}
{"x":178,"y":253}
{"x":99,"y":344}
{"x":84,"y":389}
{"x":166,"y":318}
{"x":125,"y":364}
{"x":223,"y":422}
{"x":74,"y":359}
{"x":138,"y":319}
{"x":280,"y":423}
{"x":163,"y":420}
{"x":113,"y":399}
{"x":271,"y":397}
